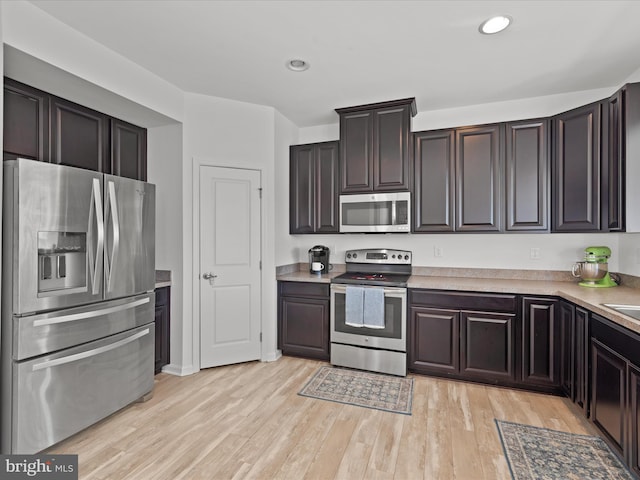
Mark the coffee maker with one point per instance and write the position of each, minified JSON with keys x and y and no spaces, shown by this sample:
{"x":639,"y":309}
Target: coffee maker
{"x":319,"y":259}
{"x":594,"y":270}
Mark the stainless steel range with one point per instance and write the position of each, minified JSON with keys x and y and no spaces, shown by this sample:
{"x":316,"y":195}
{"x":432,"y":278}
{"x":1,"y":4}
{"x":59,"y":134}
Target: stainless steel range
{"x":369,"y":311}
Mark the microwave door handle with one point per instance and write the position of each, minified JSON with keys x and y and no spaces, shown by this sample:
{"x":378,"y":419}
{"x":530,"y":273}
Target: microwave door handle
{"x":95,"y":259}
{"x":393,"y":212}
{"x":112,"y":205}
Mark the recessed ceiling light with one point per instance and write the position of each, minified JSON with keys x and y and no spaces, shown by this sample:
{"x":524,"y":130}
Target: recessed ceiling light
{"x":298,"y":65}
{"x":495,"y":24}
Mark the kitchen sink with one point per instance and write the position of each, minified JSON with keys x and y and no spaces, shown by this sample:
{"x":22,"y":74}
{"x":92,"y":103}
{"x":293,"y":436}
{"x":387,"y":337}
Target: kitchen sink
{"x":632,"y":311}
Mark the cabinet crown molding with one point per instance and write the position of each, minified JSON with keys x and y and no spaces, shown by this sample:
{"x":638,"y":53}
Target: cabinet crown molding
{"x":373,"y":106}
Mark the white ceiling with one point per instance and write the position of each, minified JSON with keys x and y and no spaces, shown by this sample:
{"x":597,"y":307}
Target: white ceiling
{"x":366,"y":51}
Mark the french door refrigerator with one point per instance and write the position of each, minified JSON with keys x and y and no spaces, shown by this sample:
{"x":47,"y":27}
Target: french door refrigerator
{"x":78,"y":276}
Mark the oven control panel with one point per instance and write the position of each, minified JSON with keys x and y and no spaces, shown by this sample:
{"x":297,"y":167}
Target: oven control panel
{"x":385,"y":256}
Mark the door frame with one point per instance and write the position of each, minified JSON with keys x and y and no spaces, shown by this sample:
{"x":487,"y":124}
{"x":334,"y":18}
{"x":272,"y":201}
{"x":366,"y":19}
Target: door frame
{"x":195,"y":272}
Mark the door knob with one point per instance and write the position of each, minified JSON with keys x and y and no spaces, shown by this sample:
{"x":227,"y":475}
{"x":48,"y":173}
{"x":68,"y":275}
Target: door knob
{"x":209,"y":276}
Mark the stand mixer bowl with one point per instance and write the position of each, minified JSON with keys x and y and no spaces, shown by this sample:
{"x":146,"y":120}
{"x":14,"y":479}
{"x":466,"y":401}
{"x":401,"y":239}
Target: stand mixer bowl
{"x":590,"y":272}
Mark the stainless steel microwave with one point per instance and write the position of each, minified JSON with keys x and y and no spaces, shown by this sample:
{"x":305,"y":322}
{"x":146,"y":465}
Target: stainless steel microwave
{"x":375,"y":213}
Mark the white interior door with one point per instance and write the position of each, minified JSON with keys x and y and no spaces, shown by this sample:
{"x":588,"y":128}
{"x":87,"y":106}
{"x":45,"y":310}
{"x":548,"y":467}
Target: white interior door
{"x":230,"y":320}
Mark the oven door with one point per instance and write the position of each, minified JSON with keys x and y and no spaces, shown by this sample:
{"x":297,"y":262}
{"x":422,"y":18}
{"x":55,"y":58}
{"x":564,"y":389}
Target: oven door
{"x":392,"y":337}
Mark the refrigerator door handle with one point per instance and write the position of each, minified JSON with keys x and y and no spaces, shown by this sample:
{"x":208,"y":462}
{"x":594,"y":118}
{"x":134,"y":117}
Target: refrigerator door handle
{"x":95,"y":259}
{"x":112,"y":207}
{"x":91,"y":314}
{"x":89,"y":353}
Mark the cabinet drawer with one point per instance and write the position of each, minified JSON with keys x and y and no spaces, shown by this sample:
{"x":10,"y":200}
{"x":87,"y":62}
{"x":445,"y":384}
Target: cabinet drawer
{"x":304,"y":289}
{"x":464,"y":300}
{"x":617,"y":338}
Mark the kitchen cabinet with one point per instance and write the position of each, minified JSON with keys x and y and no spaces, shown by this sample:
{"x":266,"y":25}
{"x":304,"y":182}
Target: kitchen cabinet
{"x":128,"y":150}
{"x":79,"y":136}
{"x":581,"y":359}
{"x":527,"y":158}
{"x":41,"y":126}
{"x":576,"y":177}
{"x":478,"y":178}
{"x":541,"y":337}
{"x":463,"y":335}
{"x":615,"y":357}
{"x":375,"y":147}
{"x":303,"y":319}
{"x":434,"y":181}
{"x":26,"y":122}
{"x":567,"y":313}
{"x":162,"y":327}
{"x":313,"y":188}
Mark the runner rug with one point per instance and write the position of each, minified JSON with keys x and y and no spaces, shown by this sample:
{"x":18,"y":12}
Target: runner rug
{"x":536,"y":453}
{"x":364,"y":389}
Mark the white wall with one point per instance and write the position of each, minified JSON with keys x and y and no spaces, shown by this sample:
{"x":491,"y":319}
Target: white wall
{"x":164,"y":155}
{"x":227,"y":133}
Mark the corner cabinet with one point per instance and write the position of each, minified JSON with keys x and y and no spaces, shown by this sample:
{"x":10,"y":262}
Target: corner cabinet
{"x":43,"y":127}
{"x":163,"y":329}
{"x":303,"y":319}
{"x":576,"y":176}
{"x":375,"y":146}
{"x":313,"y":188}
{"x":541,"y":341}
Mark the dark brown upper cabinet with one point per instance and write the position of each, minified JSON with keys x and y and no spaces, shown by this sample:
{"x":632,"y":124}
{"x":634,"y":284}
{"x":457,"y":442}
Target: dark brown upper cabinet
{"x":26,"y":122}
{"x":576,"y":172}
{"x":128,"y":150}
{"x":79,"y":136}
{"x":434,"y":181}
{"x":527,"y":158}
{"x":374,"y":146}
{"x":47,"y":128}
{"x":313,"y":188}
{"x":478,"y":178}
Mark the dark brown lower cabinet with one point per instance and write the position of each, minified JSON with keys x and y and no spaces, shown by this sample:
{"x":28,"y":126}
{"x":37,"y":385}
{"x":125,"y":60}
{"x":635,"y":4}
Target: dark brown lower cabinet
{"x":567,"y":313}
{"x":303,"y":319}
{"x":463,"y":335}
{"x":487,"y":345}
{"x":162,"y":323}
{"x":615,"y":387}
{"x":540,"y":341}
{"x":581,"y":358}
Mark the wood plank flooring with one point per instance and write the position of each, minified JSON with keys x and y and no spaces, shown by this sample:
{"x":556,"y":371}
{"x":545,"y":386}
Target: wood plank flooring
{"x":247,"y":421}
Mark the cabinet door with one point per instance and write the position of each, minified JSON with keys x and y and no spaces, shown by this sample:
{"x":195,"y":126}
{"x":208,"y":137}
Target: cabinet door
{"x":576,"y":172}
{"x":581,"y":359}
{"x":613,"y":182}
{"x":326,"y":198}
{"x":391,"y":131}
{"x":608,"y":399}
{"x":301,"y":189}
{"x":305,"y":327}
{"x":162,"y":324}
{"x":79,"y":136}
{"x":488,"y":345}
{"x":567,"y":348}
{"x":634,"y":420}
{"x":434,"y":340}
{"x":526,"y":168}
{"x":128,"y":150}
{"x":540,"y":342}
{"x":356,"y":147}
{"x":434,"y":182}
{"x":26,"y":122}
{"x":478,"y":177}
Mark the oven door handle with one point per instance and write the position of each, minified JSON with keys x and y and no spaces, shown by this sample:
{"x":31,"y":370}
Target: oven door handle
{"x":388,"y":291}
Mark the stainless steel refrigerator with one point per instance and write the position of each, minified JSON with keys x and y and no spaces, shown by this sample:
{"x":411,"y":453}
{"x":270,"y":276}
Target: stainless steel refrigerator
{"x":78,"y":274}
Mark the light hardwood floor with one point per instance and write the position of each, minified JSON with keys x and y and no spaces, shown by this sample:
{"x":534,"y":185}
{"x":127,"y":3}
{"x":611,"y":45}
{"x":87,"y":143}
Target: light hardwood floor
{"x":247,"y":421}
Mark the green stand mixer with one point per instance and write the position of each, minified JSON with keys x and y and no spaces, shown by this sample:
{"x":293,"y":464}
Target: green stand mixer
{"x":594,"y":271}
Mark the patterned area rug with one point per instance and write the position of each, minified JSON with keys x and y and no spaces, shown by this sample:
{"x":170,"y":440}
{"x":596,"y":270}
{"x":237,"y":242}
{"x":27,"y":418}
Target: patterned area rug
{"x":540,"y":453}
{"x":365,"y":389}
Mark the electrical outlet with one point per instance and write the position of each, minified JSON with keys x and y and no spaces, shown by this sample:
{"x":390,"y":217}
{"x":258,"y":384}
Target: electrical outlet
{"x":534,"y":254}
{"x":437,"y":252}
